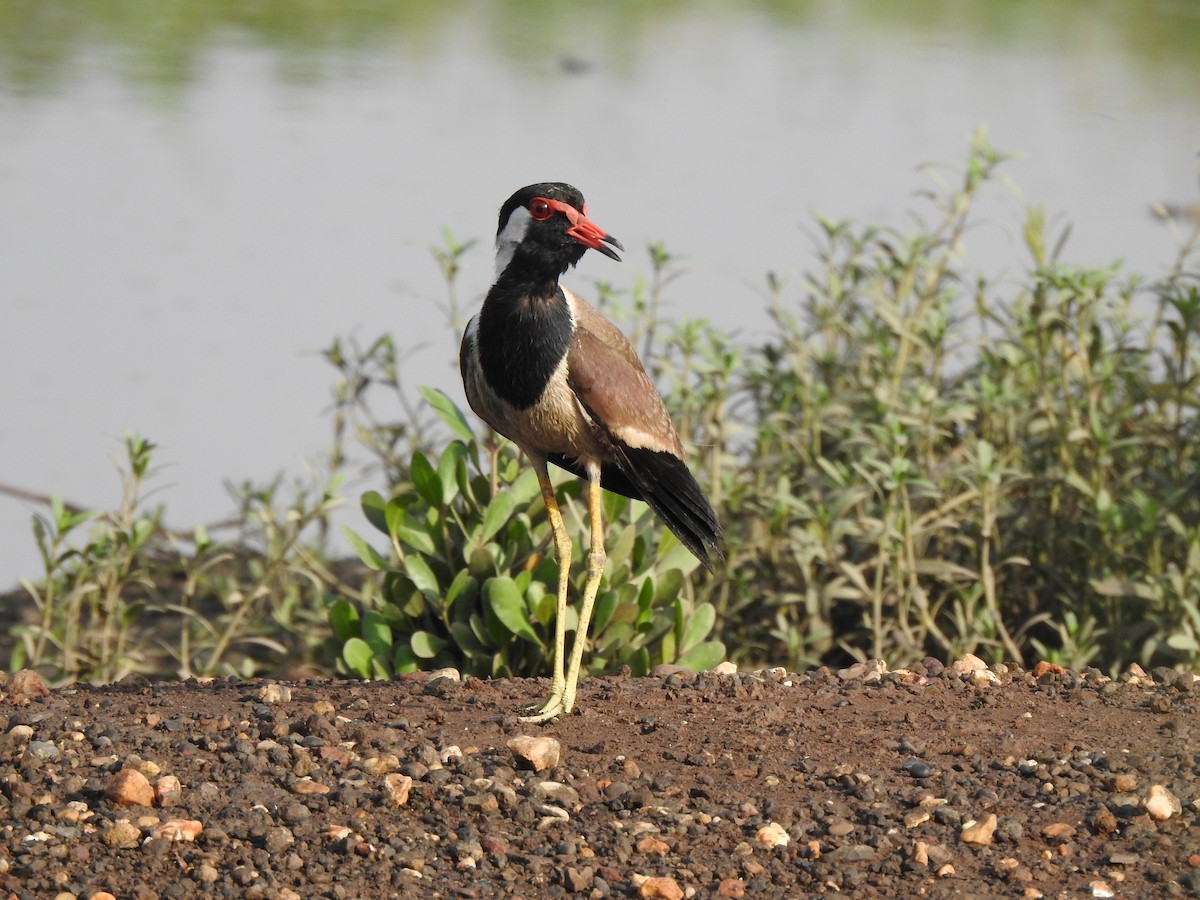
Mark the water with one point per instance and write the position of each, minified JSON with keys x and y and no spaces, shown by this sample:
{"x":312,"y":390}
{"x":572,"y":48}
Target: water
{"x":194,"y":199}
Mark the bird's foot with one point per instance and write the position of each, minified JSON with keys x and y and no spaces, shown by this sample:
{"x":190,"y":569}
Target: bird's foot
{"x":557,"y":705}
{"x":543,"y":715}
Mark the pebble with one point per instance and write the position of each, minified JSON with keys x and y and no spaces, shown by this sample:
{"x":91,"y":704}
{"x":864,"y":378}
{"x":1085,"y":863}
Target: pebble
{"x":1058,"y":831}
{"x":731,"y":887}
{"x":275,"y":693}
{"x":20,"y":735}
{"x":979,"y":833}
{"x":129,"y":787}
{"x":724,"y":668}
{"x":378,"y":765}
{"x":278,"y":839}
{"x":537,"y":753}
{"x":851,"y":853}
{"x":1047,"y":668}
{"x":560,"y":793}
{"x":916,"y":768}
{"x":1160,"y":803}
{"x":658,"y":888}
{"x":487,"y":803}
{"x":167,"y":791}
{"x":772,"y":835}
{"x":580,"y":879}
{"x":179,"y":830}
{"x":306,"y":787}
{"x":652,"y":846}
{"x":968,"y":664}
{"x":1124,"y":783}
{"x":27,"y":683}
{"x":984,"y":678}
{"x":43,"y":750}
{"x":123,"y":835}
{"x":398,"y":788}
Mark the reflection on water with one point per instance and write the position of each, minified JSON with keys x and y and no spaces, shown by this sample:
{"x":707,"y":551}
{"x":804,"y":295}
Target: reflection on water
{"x":164,"y":44}
{"x":196,"y":196}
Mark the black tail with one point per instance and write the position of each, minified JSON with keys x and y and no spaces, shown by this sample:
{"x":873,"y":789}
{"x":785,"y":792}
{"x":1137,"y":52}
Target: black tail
{"x":664,"y":482}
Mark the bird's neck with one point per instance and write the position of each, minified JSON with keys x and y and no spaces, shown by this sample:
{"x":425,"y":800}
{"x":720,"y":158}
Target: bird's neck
{"x":524,"y":331}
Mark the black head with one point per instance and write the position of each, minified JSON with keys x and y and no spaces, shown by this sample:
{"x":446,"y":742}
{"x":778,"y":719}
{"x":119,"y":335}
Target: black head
{"x":547,"y":227}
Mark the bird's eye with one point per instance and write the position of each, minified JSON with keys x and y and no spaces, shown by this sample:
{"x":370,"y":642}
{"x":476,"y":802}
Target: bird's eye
{"x":540,"y":208}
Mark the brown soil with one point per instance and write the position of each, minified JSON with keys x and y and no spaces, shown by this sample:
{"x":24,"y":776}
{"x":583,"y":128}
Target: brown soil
{"x":874,"y":783}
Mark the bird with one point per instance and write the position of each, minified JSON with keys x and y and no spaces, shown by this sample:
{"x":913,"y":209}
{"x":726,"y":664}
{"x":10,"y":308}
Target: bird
{"x":547,"y":370}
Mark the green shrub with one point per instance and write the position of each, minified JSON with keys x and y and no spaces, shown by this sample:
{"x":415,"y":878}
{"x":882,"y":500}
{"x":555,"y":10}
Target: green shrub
{"x":470,"y":578}
{"x":122,"y":594}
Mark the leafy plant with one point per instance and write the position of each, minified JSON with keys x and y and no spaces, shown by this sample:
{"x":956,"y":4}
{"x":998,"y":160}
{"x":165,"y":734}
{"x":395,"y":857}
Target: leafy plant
{"x":130,"y":595}
{"x":469,"y":580}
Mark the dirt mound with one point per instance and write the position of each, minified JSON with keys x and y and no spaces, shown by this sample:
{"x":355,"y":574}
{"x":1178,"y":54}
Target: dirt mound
{"x":874,"y":783}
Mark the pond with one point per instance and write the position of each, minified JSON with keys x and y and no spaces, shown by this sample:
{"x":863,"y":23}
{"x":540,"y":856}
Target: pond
{"x":196,"y":197}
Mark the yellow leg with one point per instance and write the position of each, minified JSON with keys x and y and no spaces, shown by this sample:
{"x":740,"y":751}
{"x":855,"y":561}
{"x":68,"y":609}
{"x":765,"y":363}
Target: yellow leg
{"x":562,"y":551}
{"x":595,"y":571}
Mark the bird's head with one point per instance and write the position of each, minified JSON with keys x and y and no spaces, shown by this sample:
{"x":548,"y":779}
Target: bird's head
{"x":547,"y":226}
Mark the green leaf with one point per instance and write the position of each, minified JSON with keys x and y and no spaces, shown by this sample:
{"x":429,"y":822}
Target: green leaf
{"x":1183,"y":642}
{"x":377,"y":633}
{"x":480,"y":630}
{"x":411,"y":534}
{"x":343,"y":619}
{"x":499,"y":511}
{"x":449,"y":413}
{"x":356,"y":653}
{"x":453,"y":459}
{"x":465,"y":638}
{"x":427,"y":481}
{"x":602,"y":613}
{"x":525,"y":487}
{"x":613,"y":505}
{"x":426,"y":644}
{"x":462,"y":595}
{"x":543,"y":606}
{"x":404,"y":660}
{"x":698,"y":627}
{"x":371,"y":557}
{"x":620,"y":553}
{"x":677,"y":557}
{"x":142,"y":529}
{"x":667,"y":587}
{"x":373,"y":506}
{"x":702,"y":657}
{"x":393,"y":515}
{"x":506,"y":601}
{"x":400,"y":591}
{"x":481,"y":563}
{"x":423,"y":578}
{"x":667,"y":650}
{"x":638,"y":662}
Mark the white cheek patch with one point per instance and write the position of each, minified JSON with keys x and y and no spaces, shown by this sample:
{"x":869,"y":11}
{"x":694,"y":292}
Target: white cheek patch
{"x":512,"y":235}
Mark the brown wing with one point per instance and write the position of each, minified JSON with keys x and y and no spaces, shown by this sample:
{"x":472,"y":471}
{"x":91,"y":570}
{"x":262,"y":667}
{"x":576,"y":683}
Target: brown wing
{"x":607,"y":376}
{"x":612,"y":386}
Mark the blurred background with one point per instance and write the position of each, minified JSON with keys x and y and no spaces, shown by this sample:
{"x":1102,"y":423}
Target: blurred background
{"x":197,"y":196}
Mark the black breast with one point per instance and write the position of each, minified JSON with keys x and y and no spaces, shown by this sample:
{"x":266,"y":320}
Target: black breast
{"x":522,"y":338}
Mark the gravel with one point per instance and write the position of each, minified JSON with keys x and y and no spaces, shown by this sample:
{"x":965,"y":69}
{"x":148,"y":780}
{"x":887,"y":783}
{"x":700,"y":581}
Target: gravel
{"x":933,"y":781}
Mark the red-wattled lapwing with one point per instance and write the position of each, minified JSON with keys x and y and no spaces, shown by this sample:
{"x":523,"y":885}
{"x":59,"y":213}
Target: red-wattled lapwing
{"x":544,"y":368}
